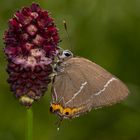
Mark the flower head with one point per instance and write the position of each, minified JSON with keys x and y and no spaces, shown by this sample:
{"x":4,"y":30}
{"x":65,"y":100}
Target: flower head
{"x":31,"y":43}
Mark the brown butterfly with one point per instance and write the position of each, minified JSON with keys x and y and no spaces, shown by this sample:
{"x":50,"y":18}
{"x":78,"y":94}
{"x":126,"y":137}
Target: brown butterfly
{"x":81,"y":85}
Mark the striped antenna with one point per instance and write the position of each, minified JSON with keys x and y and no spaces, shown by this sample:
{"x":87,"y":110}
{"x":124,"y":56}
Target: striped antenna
{"x":66,"y":29}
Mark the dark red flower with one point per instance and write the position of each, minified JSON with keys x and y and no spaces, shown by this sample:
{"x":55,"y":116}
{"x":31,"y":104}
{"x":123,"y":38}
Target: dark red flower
{"x":31,"y":43}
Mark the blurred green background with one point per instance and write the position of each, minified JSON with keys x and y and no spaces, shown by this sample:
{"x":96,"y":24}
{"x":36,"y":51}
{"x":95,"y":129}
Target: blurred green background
{"x":104,"y":31}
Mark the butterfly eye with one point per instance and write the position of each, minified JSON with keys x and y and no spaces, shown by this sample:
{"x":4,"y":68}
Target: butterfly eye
{"x":66,"y":53}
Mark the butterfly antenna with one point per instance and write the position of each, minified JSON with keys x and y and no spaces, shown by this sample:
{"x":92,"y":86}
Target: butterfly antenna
{"x":66,"y":29}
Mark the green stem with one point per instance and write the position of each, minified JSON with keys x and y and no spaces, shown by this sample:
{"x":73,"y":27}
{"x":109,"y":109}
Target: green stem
{"x":29,"y":131}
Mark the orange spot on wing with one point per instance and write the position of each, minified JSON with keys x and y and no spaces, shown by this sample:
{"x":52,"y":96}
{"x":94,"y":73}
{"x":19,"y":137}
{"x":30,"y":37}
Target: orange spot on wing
{"x":65,"y":111}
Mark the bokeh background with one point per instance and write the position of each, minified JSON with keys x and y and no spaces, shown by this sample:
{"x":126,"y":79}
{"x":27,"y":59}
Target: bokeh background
{"x":104,"y":31}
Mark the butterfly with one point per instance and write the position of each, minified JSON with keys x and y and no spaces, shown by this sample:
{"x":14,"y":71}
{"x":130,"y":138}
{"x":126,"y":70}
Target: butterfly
{"x":81,"y":85}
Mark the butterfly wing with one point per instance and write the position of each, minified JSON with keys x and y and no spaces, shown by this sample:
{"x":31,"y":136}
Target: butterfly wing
{"x":82,"y":83}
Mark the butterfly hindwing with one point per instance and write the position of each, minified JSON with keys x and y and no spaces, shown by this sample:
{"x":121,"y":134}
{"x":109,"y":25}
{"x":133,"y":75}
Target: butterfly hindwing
{"x":82,"y":83}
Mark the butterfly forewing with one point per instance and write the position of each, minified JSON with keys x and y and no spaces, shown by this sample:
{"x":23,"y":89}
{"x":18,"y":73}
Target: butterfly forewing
{"x":82,"y":83}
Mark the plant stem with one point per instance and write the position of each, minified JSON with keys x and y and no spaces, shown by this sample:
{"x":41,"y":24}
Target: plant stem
{"x":29,"y":131}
